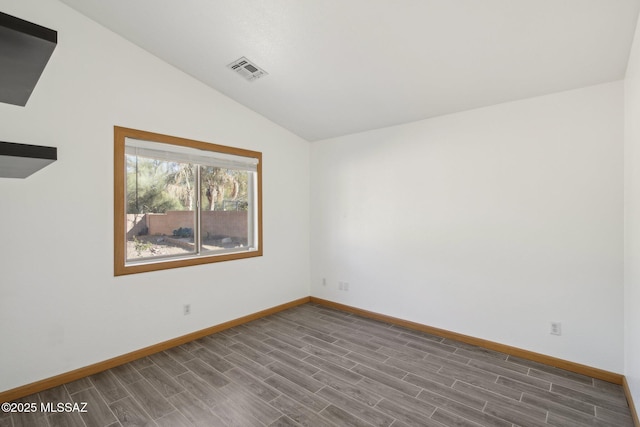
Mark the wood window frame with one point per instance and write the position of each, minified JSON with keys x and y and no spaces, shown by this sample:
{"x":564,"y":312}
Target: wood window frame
{"x":121,"y":267}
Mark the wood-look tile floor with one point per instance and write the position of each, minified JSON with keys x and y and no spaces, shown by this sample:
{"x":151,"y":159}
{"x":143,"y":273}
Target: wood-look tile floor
{"x":314,"y":366}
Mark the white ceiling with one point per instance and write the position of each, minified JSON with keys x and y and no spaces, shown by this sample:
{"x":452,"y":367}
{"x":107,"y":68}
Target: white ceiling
{"x":343,"y":66}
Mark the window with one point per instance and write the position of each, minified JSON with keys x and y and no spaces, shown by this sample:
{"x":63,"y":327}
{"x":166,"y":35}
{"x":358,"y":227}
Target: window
{"x":180,"y":202}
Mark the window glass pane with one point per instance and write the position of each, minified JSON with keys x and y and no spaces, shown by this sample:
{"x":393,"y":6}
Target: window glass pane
{"x":225,"y":214}
{"x":160,"y":203}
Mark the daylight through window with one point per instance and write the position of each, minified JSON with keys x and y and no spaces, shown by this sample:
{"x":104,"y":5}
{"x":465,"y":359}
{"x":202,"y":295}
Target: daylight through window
{"x":181,"y":202}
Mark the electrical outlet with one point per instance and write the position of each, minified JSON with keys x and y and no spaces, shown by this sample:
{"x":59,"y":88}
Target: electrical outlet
{"x":186,"y":309}
{"x":343,"y":286}
{"x":556,"y":328}
{"x":324,"y":281}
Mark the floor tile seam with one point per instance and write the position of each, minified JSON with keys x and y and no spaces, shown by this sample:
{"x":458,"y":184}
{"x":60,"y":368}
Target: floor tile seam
{"x":569,"y":408}
{"x":160,"y":391}
{"x":548,"y":370}
{"x":137,"y":403}
{"x":313,"y":329}
{"x":234,"y":410}
{"x":390,"y":399}
{"x":376,"y":330}
{"x":563,"y":417}
{"x":380,"y":398}
{"x":455,"y":414}
{"x":340,"y":326}
{"x":268,"y":404}
{"x":514,"y":389}
{"x":429,"y":345}
{"x":320,"y":339}
{"x":486,"y":402}
{"x":49,"y":416}
{"x":99,"y":396}
{"x":628,"y":416}
{"x":313,"y":393}
{"x":385,"y":385}
{"x":194,"y":398}
{"x":324,"y":417}
{"x":500,"y":366}
{"x":516,"y":362}
{"x":294,"y":384}
{"x":330,"y":363}
{"x":351,"y":398}
{"x":566,"y":397}
{"x":352,"y":343}
{"x":500,"y":369}
{"x":385,"y":364}
{"x":429,"y":368}
{"x":274,"y":350}
{"x":166,"y":399}
{"x":562,"y":380}
{"x":602,"y":395}
{"x":296,"y":349}
{"x":621,"y":410}
{"x":609,"y":420}
{"x":354,"y":384}
{"x":493,"y":393}
{"x":531,"y":385}
{"x":120,"y":383}
{"x":78,"y":391}
{"x":418,"y":334}
{"x":509,"y":410}
{"x":198,"y":377}
{"x":397,"y":419}
{"x":165,"y":370}
{"x":599,"y":396}
{"x":50,"y":423}
{"x":16,"y":415}
{"x":444,"y":366}
{"x":299,"y":371}
{"x":440,"y":373}
{"x":278,"y":393}
{"x":387,"y":343}
{"x":451,"y":399}
{"x":518,"y":377}
{"x":355,"y":340}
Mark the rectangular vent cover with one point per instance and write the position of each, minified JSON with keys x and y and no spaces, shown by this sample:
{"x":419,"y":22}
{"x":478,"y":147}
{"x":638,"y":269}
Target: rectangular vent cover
{"x":247,"y":69}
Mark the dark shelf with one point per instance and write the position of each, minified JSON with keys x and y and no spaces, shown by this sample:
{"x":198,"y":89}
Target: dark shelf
{"x":22,"y":160}
{"x":25,"y":49}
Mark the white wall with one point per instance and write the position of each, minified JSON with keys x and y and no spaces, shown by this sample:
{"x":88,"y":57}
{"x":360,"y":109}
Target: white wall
{"x":491,"y":223}
{"x":61,"y":308}
{"x":632,"y":222}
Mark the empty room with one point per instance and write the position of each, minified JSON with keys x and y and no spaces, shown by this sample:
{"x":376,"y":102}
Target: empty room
{"x":320,"y":213}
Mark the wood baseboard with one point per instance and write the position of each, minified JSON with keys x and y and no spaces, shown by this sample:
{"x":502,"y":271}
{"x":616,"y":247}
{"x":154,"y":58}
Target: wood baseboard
{"x":632,"y":406}
{"x":490,"y":345}
{"x":38,"y":386}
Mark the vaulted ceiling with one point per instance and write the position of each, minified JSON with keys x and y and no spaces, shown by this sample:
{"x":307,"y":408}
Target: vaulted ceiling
{"x":337,"y":67}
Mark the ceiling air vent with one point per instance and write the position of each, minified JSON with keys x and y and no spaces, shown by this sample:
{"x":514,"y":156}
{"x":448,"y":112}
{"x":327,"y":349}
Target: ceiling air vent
{"x":247,"y":69}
